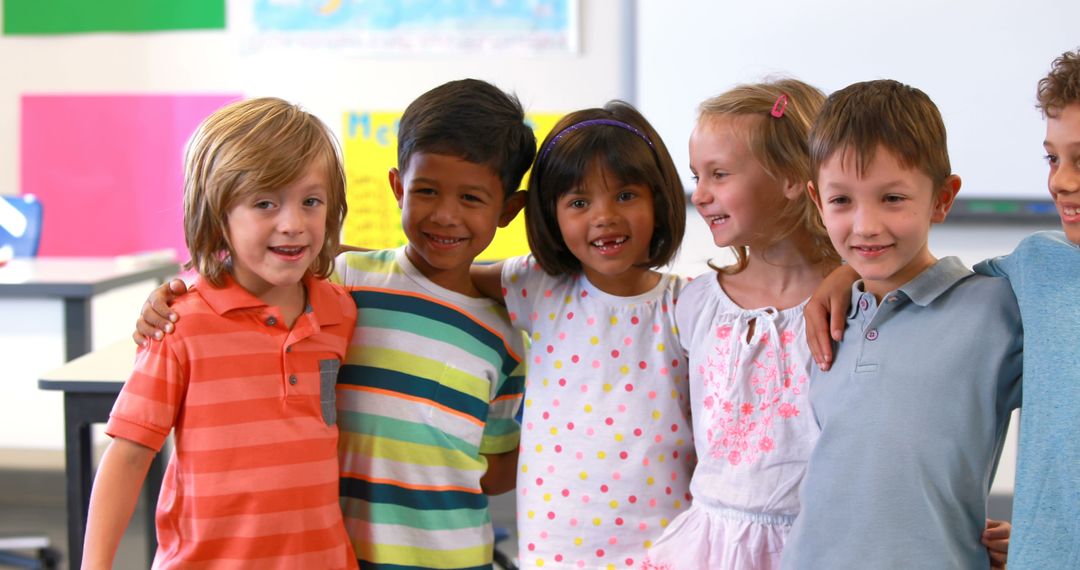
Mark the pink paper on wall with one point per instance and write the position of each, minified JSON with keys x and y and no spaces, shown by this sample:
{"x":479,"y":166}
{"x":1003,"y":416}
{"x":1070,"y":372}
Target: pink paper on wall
{"x":108,"y":169}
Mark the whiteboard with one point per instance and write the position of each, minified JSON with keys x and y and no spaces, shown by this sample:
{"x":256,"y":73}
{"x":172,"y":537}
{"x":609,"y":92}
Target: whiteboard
{"x":978,"y":60}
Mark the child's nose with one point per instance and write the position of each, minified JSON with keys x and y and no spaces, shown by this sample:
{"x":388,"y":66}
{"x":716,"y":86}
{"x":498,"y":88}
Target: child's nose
{"x":1066,"y":179}
{"x":290,"y":220}
{"x":866,"y":223}
{"x":604,"y":214}
{"x":700,"y":196}
{"x":446,"y":212}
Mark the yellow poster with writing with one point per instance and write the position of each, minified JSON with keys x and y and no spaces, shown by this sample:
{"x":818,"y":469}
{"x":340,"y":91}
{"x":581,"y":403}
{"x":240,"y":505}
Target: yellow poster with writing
{"x":374,"y":220}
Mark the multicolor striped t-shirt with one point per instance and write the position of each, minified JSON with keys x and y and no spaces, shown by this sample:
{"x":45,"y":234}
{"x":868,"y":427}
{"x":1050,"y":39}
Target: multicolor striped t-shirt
{"x":252,"y":482}
{"x":431,"y":382}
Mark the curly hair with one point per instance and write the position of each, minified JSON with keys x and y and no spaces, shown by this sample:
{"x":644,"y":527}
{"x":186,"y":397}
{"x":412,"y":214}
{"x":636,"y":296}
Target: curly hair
{"x":1061,"y":87}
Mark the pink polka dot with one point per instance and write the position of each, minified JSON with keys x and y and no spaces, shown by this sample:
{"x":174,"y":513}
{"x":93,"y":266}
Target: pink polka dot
{"x":551,"y":516}
{"x":619,"y":521}
{"x":537,"y":359}
{"x":547,"y":293}
{"x":623,"y":455}
{"x":504,"y":292}
{"x":622,"y":408}
{"x":674,"y":428}
{"x":573,"y":522}
{"x":550,"y":349}
{"x":675,"y":363}
{"x":645,"y":462}
{"x":590,"y":321}
{"x":663,"y":307}
{"x":534,"y":316}
{"x":558,"y":558}
{"x":590,"y":432}
{"x":663,"y":371}
{"x":634,"y":320}
{"x":580,"y":563}
{"x":562,"y":336}
{"x":609,"y":421}
{"x":570,"y":425}
{"x":643,"y":526}
{"x":551,"y":469}
{"x":584,"y":498}
{"x":579,"y":455}
{"x":652,"y":502}
{"x":528,"y":425}
{"x":546,"y":415}
{"x":603,"y":488}
{"x":566,"y":493}
{"x":652,"y":395}
{"x":628,"y":341}
{"x":570,"y":315}
{"x":524,"y":292}
{"x":596,"y":364}
{"x":555,"y":403}
{"x":667,"y":490}
{"x":613,"y":541}
{"x":616,"y":475}
{"x":638,"y":432}
{"x":599,"y":552}
{"x":674,"y":476}
{"x":675,"y":455}
{"x":543,"y":534}
{"x":562,"y":381}
{"x":575,"y":359}
{"x":539,"y":481}
{"x":513,"y":316}
{"x":642,"y":365}
{"x":614,"y":354}
{"x":630,"y":562}
{"x":584,"y":388}
{"x":659,"y":438}
{"x":629,"y":387}
{"x":531,"y":546}
{"x":632,"y":499}
{"x":656,"y":328}
{"x":558,"y":448}
{"x":584,"y":294}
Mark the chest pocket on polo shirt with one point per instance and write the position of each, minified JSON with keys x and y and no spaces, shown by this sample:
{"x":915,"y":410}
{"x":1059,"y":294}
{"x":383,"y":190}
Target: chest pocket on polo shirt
{"x":328,"y":373}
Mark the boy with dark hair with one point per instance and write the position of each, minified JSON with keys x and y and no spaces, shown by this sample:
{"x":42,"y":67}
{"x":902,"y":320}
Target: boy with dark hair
{"x":914,"y":411}
{"x":434,"y":375}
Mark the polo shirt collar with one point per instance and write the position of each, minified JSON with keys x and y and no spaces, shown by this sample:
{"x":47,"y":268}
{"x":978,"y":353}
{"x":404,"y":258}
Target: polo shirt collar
{"x":925,"y":287}
{"x":231,"y":296}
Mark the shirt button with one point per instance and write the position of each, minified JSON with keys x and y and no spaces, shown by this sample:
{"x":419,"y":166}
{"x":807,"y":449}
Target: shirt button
{"x":292,"y":380}
{"x":892,"y":299}
{"x":871,"y":334}
{"x":863,"y":304}
{"x":288,"y":348}
{"x":271,"y":322}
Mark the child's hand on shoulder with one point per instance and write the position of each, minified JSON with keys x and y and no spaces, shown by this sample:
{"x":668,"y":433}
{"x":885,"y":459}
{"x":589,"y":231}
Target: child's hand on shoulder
{"x":156,"y":319}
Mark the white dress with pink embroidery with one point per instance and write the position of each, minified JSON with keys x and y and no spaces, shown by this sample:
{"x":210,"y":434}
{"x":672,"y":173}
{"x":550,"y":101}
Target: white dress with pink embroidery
{"x":753,"y":431}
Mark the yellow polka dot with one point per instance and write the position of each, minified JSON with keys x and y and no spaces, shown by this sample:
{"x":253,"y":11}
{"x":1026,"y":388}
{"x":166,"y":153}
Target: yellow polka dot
{"x":624,"y":369}
{"x":528,"y":403}
{"x":660,"y":347}
{"x":558,"y":365}
{"x":539,"y":448}
{"x":656,"y":414}
{"x":539,"y":561}
{"x":545,"y":382}
{"x":524,"y":468}
{"x":513,"y":278}
{"x":601,"y":455}
{"x":588,"y":408}
{"x":547,"y":497}
{"x":663,"y":523}
{"x":567,"y":299}
{"x":647,"y":544}
{"x":614,"y":320}
{"x":583,"y":475}
{"x":610,"y":567}
{"x":674,"y":394}
{"x":594,"y":340}
{"x":551,"y":316}
{"x":661,"y":458}
{"x":614,"y":504}
{"x":578,"y":541}
{"x":554,"y":431}
{"x":618,"y":437}
{"x":536,"y":335}
{"x":650,"y":481}
{"x":678,"y":504}
{"x":680,"y":442}
{"x":597,"y":521}
{"x":531,"y":514}
{"x":607,"y":387}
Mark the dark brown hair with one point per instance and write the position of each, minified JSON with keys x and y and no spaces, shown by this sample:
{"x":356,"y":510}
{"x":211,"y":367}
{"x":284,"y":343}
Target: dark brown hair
{"x":1061,"y":87}
{"x":563,"y":166}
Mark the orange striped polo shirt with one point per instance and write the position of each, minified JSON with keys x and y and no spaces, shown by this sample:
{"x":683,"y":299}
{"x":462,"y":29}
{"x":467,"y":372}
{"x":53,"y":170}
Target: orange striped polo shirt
{"x":253,"y":481}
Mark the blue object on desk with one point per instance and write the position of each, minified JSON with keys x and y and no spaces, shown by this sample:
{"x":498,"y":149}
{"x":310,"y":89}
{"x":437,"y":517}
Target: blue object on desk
{"x":20,"y":224}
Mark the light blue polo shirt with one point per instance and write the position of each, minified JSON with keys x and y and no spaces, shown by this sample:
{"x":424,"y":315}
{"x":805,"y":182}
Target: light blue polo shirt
{"x":913,"y":415}
{"x":1045,"y":274}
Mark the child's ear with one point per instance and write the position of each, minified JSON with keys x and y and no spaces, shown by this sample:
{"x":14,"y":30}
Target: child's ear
{"x":397,"y":186}
{"x":511,"y":206}
{"x":944,"y":198}
{"x":814,"y":197}
{"x":792,"y":189}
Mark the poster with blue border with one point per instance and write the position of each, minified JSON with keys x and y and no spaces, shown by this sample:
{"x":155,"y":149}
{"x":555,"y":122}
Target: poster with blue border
{"x":420,"y":26}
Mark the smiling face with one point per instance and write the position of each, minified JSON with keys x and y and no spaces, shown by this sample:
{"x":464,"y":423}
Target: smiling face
{"x":880,"y":222}
{"x":276,"y":234}
{"x":450,"y":209}
{"x":608,"y":226}
{"x":1062,"y":146}
{"x":733,"y":193}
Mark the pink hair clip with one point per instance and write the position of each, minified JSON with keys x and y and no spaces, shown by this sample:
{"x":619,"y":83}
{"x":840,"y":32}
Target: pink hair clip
{"x":779,"y":106}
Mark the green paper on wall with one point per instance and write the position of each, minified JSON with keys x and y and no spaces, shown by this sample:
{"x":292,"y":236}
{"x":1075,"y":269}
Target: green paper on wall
{"x":26,"y":17}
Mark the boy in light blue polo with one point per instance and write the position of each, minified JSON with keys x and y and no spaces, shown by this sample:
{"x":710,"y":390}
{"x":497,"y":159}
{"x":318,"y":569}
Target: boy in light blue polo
{"x":914,"y":410}
{"x":1045,"y":275}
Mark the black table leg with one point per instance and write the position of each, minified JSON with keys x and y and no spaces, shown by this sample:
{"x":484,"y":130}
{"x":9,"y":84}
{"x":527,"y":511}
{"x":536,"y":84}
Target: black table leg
{"x":77,"y":330}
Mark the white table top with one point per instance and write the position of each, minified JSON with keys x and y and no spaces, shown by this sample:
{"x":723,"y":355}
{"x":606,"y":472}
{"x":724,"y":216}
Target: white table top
{"x":103,"y":370}
{"x":79,"y":276}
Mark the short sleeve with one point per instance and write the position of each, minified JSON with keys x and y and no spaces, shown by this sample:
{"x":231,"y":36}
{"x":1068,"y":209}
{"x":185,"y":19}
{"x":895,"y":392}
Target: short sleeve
{"x":146,"y":409}
{"x":502,"y":431}
{"x":522,"y":281}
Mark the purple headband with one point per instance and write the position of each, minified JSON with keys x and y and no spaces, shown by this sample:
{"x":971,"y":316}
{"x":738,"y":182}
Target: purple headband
{"x":589,"y":122}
